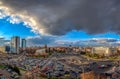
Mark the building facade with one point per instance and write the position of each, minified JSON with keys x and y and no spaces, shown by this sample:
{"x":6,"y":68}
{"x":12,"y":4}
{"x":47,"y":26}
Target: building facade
{"x":15,"y":45}
{"x":1,"y":41}
{"x":4,"y":49}
{"x":41,"y":52}
{"x":23,"y":43}
{"x":106,"y":51}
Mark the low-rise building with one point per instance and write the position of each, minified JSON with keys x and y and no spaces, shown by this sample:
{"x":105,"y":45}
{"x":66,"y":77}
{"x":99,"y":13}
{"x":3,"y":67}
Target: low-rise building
{"x":76,"y":49}
{"x":3,"y":49}
{"x":88,"y":49}
{"x":106,"y":51}
{"x":41,"y":52}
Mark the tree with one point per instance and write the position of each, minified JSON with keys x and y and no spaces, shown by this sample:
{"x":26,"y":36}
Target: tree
{"x":16,"y":69}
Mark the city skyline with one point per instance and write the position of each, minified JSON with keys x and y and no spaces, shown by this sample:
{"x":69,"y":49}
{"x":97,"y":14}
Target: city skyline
{"x":82,"y":42}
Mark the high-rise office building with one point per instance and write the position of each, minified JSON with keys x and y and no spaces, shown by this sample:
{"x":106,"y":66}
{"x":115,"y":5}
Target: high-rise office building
{"x":23,"y":43}
{"x":1,"y":41}
{"x":15,"y":44}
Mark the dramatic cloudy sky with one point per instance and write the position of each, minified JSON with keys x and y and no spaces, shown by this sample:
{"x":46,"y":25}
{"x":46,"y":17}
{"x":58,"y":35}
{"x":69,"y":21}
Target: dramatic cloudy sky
{"x":60,"y":21}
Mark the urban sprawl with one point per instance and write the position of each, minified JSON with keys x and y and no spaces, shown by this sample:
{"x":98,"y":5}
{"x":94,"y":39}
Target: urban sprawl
{"x":19,"y":61}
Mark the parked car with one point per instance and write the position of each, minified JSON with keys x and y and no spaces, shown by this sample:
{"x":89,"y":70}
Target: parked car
{"x":102,"y":66}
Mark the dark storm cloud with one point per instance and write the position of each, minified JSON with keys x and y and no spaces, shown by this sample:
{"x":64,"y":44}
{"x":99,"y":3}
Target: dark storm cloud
{"x":57,"y":17}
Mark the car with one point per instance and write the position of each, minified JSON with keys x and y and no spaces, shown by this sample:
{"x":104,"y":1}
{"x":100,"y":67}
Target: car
{"x":80,"y":71}
{"x":102,"y":66}
{"x":67,"y":72}
{"x":1,"y":74}
{"x":108,"y":74}
{"x":94,"y":63}
{"x":56,"y":74}
{"x":16,"y":77}
{"x":88,"y":69}
{"x":59,"y":68}
{"x":12,"y":76}
{"x":9,"y":70}
{"x":109,"y":65}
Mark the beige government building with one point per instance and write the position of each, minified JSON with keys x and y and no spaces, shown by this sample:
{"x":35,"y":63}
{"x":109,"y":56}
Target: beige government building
{"x":107,"y":51}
